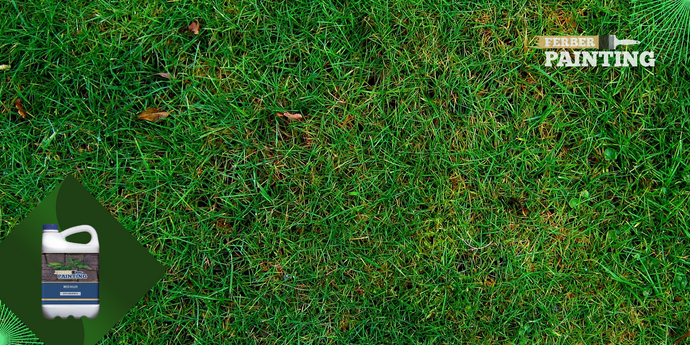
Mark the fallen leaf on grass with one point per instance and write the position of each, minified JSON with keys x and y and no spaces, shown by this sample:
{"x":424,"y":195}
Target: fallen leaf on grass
{"x":3,"y":67}
{"x":194,"y":27}
{"x":152,"y":114}
{"x":164,"y":75}
{"x":20,"y":108}
{"x":681,"y":338}
{"x":518,"y":205}
{"x":291,"y":116}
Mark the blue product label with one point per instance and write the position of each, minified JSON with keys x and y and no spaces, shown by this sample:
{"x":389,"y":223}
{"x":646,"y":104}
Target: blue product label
{"x":70,"y":279}
{"x":70,"y":293}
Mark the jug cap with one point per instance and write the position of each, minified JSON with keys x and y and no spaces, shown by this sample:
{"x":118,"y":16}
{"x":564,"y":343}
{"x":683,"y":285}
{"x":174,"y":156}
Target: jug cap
{"x":50,"y":227}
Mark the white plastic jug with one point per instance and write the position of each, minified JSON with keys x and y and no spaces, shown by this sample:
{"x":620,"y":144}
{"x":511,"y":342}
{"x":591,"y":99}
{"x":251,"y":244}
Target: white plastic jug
{"x":69,"y":273}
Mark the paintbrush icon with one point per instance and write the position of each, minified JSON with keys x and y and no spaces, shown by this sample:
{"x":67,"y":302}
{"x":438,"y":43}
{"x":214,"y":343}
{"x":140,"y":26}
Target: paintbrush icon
{"x":611,"y":42}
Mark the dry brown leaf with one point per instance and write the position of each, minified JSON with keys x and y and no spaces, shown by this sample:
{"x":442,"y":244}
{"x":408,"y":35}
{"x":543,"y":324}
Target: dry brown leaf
{"x":164,"y":75}
{"x":152,"y":114}
{"x":681,"y":338}
{"x":20,"y":108}
{"x":291,"y":116}
{"x":194,"y":27}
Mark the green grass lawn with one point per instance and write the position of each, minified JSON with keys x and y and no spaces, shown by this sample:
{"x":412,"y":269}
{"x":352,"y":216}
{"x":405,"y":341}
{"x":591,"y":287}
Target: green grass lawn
{"x":444,"y":187}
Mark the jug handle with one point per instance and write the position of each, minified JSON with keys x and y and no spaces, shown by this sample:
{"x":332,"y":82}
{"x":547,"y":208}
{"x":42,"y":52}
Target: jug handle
{"x":82,"y":228}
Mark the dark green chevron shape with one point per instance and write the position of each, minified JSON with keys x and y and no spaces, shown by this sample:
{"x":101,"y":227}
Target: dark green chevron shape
{"x":127,"y":270}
